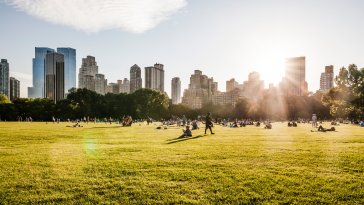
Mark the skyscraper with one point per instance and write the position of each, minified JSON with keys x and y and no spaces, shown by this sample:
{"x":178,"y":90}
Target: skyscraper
{"x":89,"y":78}
{"x":100,"y":84}
{"x":37,"y":91}
{"x":14,"y":89}
{"x":135,"y":78}
{"x":88,"y":70}
{"x":112,"y":88}
{"x":176,"y":90}
{"x":54,"y":77}
{"x":124,"y":86}
{"x":294,"y":82}
{"x":253,"y":87}
{"x":69,"y":67}
{"x":327,"y":79}
{"x":154,"y":77}
{"x":231,"y":85}
{"x":4,"y":77}
{"x":200,"y":90}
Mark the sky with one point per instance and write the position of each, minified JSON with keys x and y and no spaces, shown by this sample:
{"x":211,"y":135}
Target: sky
{"x":224,"y":39}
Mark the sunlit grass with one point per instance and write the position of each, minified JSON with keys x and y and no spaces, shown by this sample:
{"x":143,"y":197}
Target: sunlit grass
{"x":51,"y":163}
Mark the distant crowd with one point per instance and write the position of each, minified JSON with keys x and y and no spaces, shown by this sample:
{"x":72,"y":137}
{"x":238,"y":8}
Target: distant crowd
{"x":208,"y":121}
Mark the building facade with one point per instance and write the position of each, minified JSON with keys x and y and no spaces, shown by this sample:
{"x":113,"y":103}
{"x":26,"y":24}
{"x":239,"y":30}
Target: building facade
{"x":294,"y":82}
{"x":231,"y":85}
{"x":135,"y":78}
{"x":14,"y":88}
{"x":124,"y":86}
{"x":37,"y":91}
{"x":200,"y":90}
{"x":154,"y":77}
{"x":327,"y":79}
{"x":54,"y":77}
{"x":100,"y":84}
{"x":226,"y":98}
{"x":89,"y":77}
{"x":4,"y":78}
{"x":253,"y":88}
{"x":176,"y":90}
{"x":112,"y":88}
{"x":69,"y":67}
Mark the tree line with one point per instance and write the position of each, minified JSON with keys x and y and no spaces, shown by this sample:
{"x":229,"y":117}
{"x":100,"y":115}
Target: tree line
{"x":345,"y":100}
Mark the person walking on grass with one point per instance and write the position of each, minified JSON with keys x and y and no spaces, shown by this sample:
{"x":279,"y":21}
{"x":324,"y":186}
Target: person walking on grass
{"x":314,"y":120}
{"x":208,"y":123}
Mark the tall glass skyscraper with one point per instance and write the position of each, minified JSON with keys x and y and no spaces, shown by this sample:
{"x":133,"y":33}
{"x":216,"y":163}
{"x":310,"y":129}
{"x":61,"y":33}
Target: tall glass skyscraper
{"x":69,"y":67}
{"x":4,"y":77}
{"x":37,"y":91}
{"x":54,"y":77}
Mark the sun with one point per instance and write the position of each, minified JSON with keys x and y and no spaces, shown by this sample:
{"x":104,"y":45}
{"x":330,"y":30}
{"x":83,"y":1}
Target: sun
{"x":271,"y":65}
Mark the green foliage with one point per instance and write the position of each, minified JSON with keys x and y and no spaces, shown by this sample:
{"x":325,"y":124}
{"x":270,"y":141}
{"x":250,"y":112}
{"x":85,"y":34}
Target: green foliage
{"x":347,"y":98}
{"x":85,"y":103}
{"x":4,"y":99}
{"x":149,"y":103}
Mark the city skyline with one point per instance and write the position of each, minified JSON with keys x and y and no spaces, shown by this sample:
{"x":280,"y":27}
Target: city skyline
{"x":237,"y":38}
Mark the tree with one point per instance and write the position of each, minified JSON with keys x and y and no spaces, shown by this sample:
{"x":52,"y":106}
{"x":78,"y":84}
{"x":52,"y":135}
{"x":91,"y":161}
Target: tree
{"x":150,"y":103}
{"x":4,"y":99}
{"x":347,"y":98}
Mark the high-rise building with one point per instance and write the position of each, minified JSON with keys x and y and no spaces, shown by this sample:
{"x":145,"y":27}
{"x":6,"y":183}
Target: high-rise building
{"x":327,"y":79}
{"x":14,"y":89}
{"x":100,"y":84}
{"x":226,"y":98}
{"x":37,"y":91}
{"x":154,"y":77}
{"x":294,"y":82}
{"x":200,"y":90}
{"x":54,"y":77}
{"x":124,"y":86}
{"x":69,"y":67}
{"x":89,"y":78}
{"x":231,"y":85}
{"x":253,"y":87}
{"x":112,"y":88}
{"x":4,"y":77}
{"x":135,"y":78}
{"x":176,"y":90}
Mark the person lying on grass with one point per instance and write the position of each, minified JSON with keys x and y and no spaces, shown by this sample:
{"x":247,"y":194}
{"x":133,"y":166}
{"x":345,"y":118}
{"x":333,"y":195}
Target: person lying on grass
{"x":186,"y":133}
{"x":75,"y":125}
{"x":322,"y":129}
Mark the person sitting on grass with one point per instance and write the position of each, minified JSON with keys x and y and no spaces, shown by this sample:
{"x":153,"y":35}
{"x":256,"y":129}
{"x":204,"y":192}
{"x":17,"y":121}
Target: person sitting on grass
{"x":322,"y":129}
{"x":186,"y":133}
{"x":127,"y":121}
{"x":257,"y":124}
{"x":268,"y":126}
{"x":234,"y":124}
{"x":195,"y":125}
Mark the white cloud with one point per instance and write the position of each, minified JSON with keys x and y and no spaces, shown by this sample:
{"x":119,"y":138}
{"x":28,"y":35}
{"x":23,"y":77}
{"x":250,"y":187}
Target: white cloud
{"x":94,"y":15}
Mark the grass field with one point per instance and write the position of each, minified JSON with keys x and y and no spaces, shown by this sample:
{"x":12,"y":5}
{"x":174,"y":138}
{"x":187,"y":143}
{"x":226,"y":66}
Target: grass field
{"x":100,"y":163}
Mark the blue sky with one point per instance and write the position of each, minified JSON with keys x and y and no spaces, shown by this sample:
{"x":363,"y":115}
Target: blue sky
{"x":224,"y":39}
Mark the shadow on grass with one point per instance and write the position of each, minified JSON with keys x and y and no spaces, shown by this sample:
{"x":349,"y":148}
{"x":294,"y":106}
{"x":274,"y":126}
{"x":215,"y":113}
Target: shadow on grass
{"x":106,"y":127}
{"x":172,"y":141}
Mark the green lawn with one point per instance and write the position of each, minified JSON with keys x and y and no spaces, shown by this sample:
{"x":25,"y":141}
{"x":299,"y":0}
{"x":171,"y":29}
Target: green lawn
{"x":102,"y":163}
